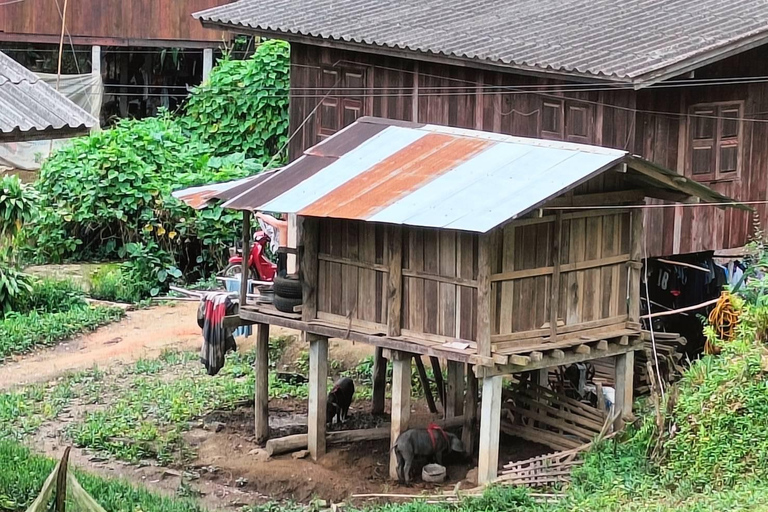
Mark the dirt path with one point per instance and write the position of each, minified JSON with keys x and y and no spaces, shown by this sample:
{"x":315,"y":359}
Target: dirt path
{"x":142,"y":333}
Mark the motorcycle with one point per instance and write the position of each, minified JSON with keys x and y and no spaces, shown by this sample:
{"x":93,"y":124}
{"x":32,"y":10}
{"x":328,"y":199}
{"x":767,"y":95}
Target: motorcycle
{"x":260,"y":268}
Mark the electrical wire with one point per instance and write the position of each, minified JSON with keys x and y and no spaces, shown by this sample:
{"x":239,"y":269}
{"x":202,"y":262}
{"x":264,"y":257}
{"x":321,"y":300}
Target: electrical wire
{"x":650,"y":321}
{"x":9,"y":2}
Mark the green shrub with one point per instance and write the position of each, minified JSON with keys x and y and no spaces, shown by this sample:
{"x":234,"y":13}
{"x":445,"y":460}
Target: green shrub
{"x":17,"y":205}
{"x":243,"y":106}
{"x":21,"y":333}
{"x":49,"y":295}
{"x":15,"y":287}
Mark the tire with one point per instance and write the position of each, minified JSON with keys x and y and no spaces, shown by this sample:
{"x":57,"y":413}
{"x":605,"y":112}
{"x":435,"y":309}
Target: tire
{"x":287,"y":288}
{"x":285,"y":304}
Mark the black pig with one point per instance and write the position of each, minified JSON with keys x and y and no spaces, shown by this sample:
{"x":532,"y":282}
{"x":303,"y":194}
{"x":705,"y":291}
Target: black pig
{"x":339,"y":400}
{"x":420,"y":442}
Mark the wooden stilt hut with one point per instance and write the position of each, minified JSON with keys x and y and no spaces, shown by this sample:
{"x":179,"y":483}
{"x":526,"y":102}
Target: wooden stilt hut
{"x":499,"y":254}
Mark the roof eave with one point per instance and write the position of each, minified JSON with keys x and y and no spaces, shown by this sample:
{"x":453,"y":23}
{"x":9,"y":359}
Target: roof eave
{"x":694,"y":62}
{"x":47,"y":134}
{"x":573,"y":76}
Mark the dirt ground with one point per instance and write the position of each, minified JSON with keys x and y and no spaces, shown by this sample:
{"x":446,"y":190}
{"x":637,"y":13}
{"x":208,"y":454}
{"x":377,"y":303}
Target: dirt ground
{"x":230,"y":470}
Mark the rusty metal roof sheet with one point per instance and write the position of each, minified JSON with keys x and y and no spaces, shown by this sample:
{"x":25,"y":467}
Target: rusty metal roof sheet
{"x":30,"y":108}
{"x":435,"y":176}
{"x":201,"y":196}
{"x":637,"y":41}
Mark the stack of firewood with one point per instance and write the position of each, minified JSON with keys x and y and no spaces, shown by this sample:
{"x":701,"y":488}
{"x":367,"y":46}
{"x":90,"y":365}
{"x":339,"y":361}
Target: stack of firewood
{"x":669,"y":350}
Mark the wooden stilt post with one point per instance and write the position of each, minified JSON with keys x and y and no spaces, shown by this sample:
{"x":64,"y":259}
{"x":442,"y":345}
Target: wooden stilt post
{"x":439,"y":383}
{"x":379,"y":381}
{"x":401,"y":402}
{"x":246,"y":256}
{"x":470,"y":412}
{"x":635,"y":265}
{"x":318,"y":394}
{"x":490,"y":424}
{"x":425,"y":384}
{"x":455,"y":394}
{"x":261,"y":401}
{"x":542,"y":377}
{"x":625,"y":366}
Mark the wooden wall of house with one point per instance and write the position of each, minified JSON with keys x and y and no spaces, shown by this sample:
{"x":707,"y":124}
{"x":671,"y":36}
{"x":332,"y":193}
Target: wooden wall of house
{"x":111,"y":21}
{"x":665,"y":139}
{"x":359,"y":84}
{"x":592,"y":289}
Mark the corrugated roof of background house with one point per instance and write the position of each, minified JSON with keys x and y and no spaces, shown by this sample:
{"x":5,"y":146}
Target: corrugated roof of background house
{"x":434,"y":176}
{"x":30,"y":108}
{"x":628,"y":40}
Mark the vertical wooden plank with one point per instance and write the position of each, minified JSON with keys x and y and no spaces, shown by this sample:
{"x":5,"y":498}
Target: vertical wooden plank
{"x":592,"y":286}
{"x":576,"y":279}
{"x":349,"y":275}
{"x":635,"y":264}
{"x":470,"y":412}
{"x":625,"y":366}
{"x":465,"y":305}
{"x":505,"y":308}
{"x":416,"y":285}
{"x":366,"y":292}
{"x":395,"y":281}
{"x":554,"y":283}
{"x":484,"y":256}
{"x":446,"y":310}
{"x":379,"y":381}
{"x":246,"y":257}
{"x":261,"y":395}
{"x":401,"y":403}
{"x":454,"y":404}
{"x":431,"y":296}
{"x":542,"y":377}
{"x":490,"y":423}
{"x":308,"y":270}
{"x":337,"y":269}
{"x":318,"y":394}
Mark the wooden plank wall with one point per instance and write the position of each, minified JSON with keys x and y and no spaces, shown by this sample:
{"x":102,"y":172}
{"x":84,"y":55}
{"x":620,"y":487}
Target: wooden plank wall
{"x":439,"y":283}
{"x":135,"y":19}
{"x":459,"y":96}
{"x":351,"y":272}
{"x":594,"y":249}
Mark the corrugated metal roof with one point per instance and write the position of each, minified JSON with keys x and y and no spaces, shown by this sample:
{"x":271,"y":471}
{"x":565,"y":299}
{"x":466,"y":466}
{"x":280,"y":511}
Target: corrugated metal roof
{"x":628,"y":40}
{"x":201,"y":196}
{"x":435,"y":176}
{"x":30,"y":107}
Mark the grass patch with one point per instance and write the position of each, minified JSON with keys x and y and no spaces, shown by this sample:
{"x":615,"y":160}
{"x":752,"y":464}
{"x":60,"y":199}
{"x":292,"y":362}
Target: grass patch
{"x":22,"y":333}
{"x":158,"y":400}
{"x":22,"y":474}
{"x":23,"y":411}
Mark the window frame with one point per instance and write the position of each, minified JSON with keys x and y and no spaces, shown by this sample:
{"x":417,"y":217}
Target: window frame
{"x":717,"y":142}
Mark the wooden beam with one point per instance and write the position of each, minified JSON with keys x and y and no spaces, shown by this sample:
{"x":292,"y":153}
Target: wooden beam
{"x":568,"y":267}
{"x":437,"y":371}
{"x":583,"y":349}
{"x":401,"y":403}
{"x":486,"y":243}
{"x":379,"y":381}
{"x":470,"y":413}
{"x":598,"y":199}
{"x":395,"y":281}
{"x":554,"y":284}
{"x":455,"y":392}
{"x":490,"y":424}
{"x":624,"y":381}
{"x":261,"y":395}
{"x":308,"y":268}
{"x":519,"y":360}
{"x":425,"y":384}
{"x":601,"y":345}
{"x":556,"y":357}
{"x":244,"y":271}
{"x":318,"y":394}
{"x":583,"y":326}
{"x":636,"y":256}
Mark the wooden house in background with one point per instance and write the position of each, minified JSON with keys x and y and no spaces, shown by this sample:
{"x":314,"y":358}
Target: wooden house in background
{"x":682,"y":84}
{"x":147,"y":51}
{"x":496,"y":253}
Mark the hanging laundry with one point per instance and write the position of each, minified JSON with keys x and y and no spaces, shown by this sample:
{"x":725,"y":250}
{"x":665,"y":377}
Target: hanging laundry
{"x":217,"y":340}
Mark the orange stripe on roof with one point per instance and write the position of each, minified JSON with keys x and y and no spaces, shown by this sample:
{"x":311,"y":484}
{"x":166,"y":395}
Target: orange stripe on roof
{"x":397,"y":176}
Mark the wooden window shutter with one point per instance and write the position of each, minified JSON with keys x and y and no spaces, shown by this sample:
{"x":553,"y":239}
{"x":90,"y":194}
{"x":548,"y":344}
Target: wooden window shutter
{"x":578,"y":122}
{"x":346,"y":102}
{"x":714,"y":135}
{"x":552,"y":120}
